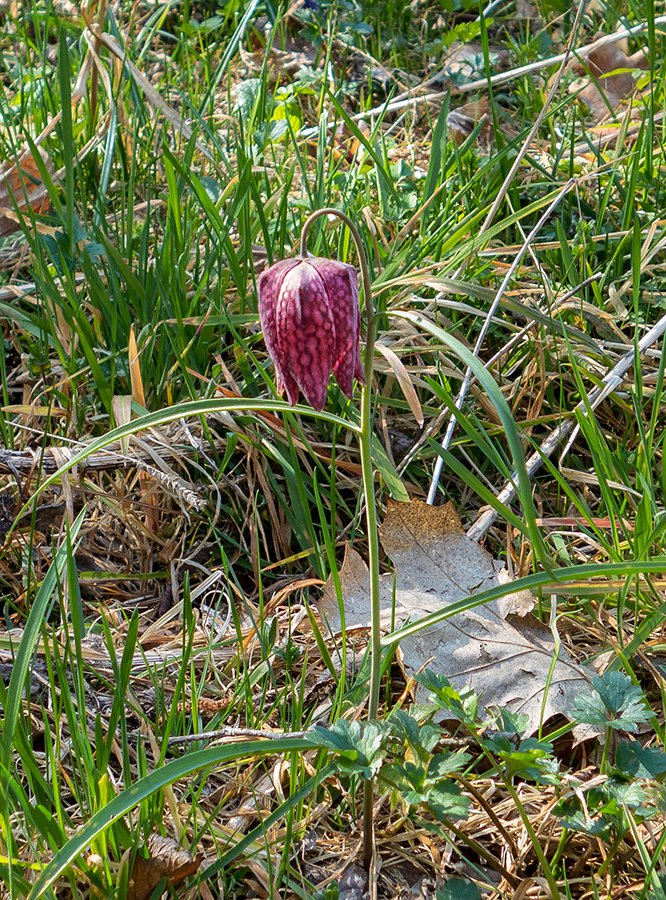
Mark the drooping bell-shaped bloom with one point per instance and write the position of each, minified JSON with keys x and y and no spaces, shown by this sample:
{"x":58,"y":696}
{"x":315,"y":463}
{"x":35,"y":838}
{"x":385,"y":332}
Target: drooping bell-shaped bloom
{"x":310,"y":316}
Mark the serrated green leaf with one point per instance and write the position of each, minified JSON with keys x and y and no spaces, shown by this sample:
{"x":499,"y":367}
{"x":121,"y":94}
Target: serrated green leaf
{"x":359,"y":746}
{"x":627,"y":793}
{"x":421,"y":738}
{"x":589,"y":709}
{"x":640,"y":762}
{"x":438,"y":685}
{"x":574,"y":819}
{"x":618,"y":692}
{"x":340,"y":737}
{"x":443,"y":764}
{"x":447,"y":801}
{"x":405,"y":727}
{"x":430,"y":737}
{"x":512,"y":722}
{"x":527,"y":758}
{"x":616,"y":703}
{"x":464,"y":707}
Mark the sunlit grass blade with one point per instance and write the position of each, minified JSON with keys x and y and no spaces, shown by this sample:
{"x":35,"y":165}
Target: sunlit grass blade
{"x":147,"y":786}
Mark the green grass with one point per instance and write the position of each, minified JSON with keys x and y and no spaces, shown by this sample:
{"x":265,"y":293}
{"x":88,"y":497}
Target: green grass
{"x":170,"y":175}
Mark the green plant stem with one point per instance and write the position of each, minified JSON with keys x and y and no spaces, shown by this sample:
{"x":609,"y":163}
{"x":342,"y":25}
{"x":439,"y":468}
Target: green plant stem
{"x":559,"y":850}
{"x":603,"y":765}
{"x":536,"y":846}
{"x":373,"y":565}
{"x":365,"y":445}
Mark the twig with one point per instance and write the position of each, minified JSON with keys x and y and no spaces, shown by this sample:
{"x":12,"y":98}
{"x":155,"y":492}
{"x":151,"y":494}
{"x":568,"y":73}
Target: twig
{"x":410,"y":98}
{"x":611,"y":381}
{"x":504,"y":189}
{"x":29,"y":287}
{"x":230,"y":731}
{"x":153,"y":96}
{"x":433,"y":428}
{"x":499,"y":199}
{"x":27,"y":461}
{"x":596,"y":142}
{"x":579,"y":52}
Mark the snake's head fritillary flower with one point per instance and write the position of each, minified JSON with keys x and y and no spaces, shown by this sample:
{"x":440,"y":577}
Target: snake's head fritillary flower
{"x":310,"y":316}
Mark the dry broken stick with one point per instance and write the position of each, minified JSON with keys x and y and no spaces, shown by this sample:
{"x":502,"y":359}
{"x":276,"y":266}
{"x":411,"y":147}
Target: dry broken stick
{"x":229,"y":731}
{"x":49,"y":460}
{"x":499,"y":199}
{"x":568,"y":429}
{"x":413,"y":98}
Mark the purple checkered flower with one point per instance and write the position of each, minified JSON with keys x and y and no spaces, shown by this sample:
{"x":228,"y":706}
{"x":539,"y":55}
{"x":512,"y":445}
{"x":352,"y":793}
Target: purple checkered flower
{"x":309,"y":311}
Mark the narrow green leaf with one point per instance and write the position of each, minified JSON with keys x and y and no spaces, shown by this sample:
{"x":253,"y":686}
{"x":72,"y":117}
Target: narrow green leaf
{"x":148,"y":785}
{"x":26,"y":648}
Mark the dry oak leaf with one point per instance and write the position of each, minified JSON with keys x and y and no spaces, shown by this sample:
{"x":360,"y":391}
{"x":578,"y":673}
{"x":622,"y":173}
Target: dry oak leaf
{"x":611,"y":77}
{"x":498,"y":650}
{"x":167,"y":860}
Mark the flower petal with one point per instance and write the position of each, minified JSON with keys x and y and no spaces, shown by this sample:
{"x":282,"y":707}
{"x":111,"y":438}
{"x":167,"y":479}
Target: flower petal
{"x":306,"y":332}
{"x":286,"y":383}
{"x":341,"y":283}
{"x":270,"y":284}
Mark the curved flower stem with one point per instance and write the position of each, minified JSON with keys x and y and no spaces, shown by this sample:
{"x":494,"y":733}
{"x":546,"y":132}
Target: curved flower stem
{"x":365,"y":445}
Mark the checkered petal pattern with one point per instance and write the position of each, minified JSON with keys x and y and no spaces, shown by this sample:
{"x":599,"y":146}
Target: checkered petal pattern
{"x":309,"y":312}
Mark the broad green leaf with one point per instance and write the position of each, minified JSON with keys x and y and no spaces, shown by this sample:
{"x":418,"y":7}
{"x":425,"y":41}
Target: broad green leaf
{"x":359,"y":746}
{"x":443,"y":764}
{"x":639,"y":762}
{"x":447,"y":801}
{"x":615,"y":703}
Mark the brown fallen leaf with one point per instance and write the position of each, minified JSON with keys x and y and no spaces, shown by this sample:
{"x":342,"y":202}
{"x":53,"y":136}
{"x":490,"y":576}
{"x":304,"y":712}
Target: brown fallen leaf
{"x":166,"y":860}
{"x":462,"y":120}
{"x":283,"y":60}
{"x":498,"y":650}
{"x":280,"y":65}
{"x":20,"y":183}
{"x":610,"y":77}
{"x":526,"y":9}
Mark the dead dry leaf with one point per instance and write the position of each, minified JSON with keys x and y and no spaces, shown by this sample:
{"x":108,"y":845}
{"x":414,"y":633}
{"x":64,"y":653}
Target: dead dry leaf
{"x":462,"y":120}
{"x":499,"y":650}
{"x":526,"y":9}
{"x":279,"y":62}
{"x":279,"y":65}
{"x":404,"y":380}
{"x":610,"y":77}
{"x":166,"y":860}
{"x":20,"y":184}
